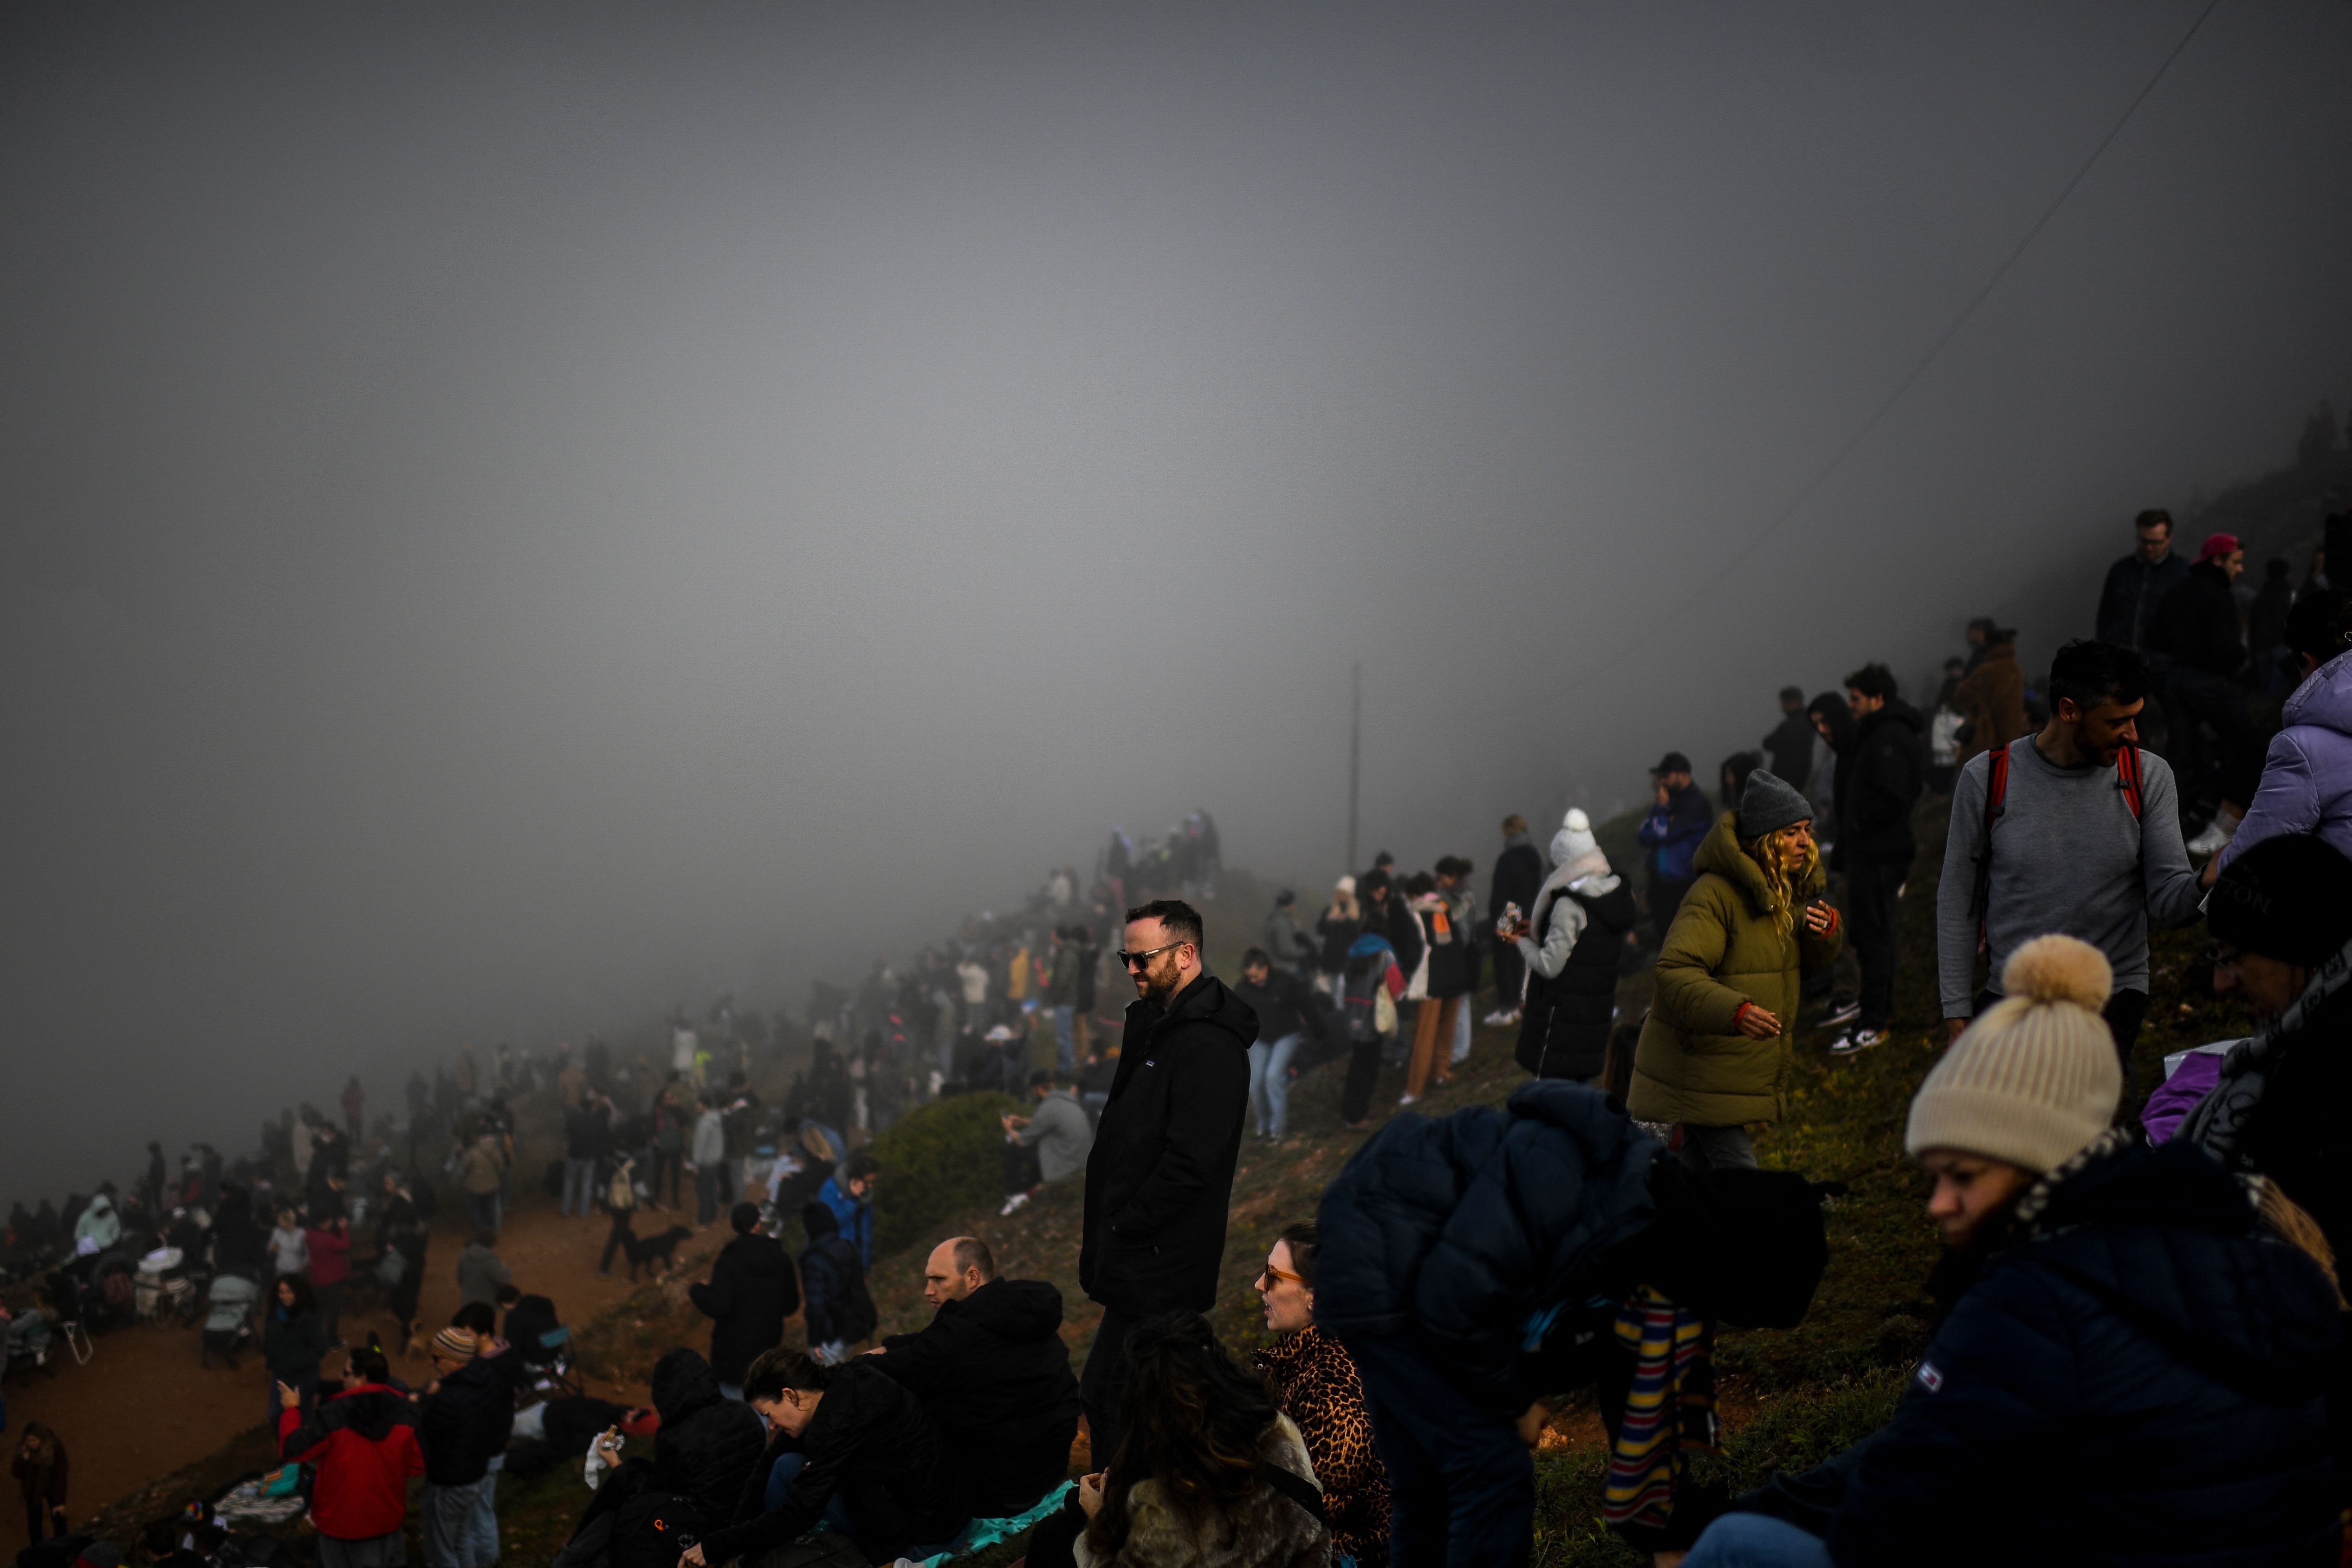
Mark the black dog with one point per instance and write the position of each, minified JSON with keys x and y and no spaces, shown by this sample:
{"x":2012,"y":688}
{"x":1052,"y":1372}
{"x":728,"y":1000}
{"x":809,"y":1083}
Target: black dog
{"x":647,"y":1250}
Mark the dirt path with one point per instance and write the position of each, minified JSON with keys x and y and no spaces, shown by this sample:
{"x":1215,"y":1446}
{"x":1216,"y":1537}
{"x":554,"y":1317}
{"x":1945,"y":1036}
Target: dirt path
{"x":144,"y":1408}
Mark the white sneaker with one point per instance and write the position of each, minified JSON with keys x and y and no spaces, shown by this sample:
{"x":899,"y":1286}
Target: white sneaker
{"x":1498,"y":1018}
{"x":2217,"y":834}
{"x":1014,"y":1202}
{"x":1857,"y":1040}
{"x":1840,"y":1012}
{"x":1404,"y":1100}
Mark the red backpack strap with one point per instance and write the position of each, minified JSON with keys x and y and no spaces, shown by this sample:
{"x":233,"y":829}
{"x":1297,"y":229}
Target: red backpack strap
{"x":1996,"y":787}
{"x":1996,"y":792}
{"x":2128,"y":778}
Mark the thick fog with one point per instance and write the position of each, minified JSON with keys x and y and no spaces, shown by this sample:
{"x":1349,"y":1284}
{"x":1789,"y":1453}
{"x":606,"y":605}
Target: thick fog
{"x":516,"y":517}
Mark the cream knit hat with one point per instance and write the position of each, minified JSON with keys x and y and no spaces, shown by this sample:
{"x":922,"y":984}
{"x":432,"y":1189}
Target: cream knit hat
{"x":2036,"y":1077}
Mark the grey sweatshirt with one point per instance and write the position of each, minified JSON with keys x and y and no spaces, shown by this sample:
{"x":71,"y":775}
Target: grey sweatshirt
{"x":2067,"y":856}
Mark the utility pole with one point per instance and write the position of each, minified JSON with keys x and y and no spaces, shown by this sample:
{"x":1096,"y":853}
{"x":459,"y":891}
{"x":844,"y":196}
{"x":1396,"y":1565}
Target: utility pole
{"x":1355,"y":753}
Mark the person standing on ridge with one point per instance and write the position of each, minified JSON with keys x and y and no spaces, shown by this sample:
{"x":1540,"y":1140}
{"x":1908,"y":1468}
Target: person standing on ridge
{"x":1789,"y":748}
{"x":1886,"y":775}
{"x":1160,"y":1174}
{"x":2079,"y":834}
{"x":1518,"y":876}
{"x":1678,"y":821}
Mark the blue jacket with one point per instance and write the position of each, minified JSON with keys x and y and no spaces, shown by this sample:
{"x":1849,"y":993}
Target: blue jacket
{"x":2137,"y":1381}
{"x":1675,"y":831}
{"x":1465,"y":1230}
{"x":855,"y":1214}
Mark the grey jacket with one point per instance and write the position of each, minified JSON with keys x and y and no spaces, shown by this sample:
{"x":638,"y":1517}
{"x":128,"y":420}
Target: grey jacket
{"x":481,"y":1272}
{"x":1283,"y":941}
{"x":2067,"y":856}
{"x":1060,"y":1134}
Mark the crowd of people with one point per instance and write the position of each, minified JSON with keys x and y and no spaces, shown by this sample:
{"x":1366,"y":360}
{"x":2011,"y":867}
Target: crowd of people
{"x":2135,"y":1353}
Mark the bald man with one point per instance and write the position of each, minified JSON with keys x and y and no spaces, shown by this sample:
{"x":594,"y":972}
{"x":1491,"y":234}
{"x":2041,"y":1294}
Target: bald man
{"x":993,"y":1371}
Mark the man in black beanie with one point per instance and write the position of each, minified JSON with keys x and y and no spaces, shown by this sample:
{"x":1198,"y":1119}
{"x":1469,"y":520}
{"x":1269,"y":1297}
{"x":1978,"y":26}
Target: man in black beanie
{"x":2281,"y":918}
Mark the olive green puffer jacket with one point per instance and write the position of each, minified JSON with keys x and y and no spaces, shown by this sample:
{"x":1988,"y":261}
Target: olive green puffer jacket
{"x":1693,"y":1064}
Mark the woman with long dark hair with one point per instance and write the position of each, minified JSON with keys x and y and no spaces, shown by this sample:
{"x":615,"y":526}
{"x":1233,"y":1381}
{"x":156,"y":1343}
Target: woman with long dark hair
{"x":1211,"y":1473}
{"x":293,"y":1343}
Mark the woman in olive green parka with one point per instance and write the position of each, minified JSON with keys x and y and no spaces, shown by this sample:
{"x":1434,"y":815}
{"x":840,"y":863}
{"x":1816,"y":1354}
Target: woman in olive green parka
{"x":1719,"y":1040}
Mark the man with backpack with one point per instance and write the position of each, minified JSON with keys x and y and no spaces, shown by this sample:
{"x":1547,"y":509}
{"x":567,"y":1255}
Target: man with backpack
{"x":2075,"y":829}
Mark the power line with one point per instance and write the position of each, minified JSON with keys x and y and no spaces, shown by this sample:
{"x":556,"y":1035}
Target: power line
{"x":1837,"y":460}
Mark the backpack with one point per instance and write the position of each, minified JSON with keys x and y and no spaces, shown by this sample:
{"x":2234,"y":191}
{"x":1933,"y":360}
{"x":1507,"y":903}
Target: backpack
{"x":621,"y":1196}
{"x":652,"y":1529}
{"x":1997,"y":793}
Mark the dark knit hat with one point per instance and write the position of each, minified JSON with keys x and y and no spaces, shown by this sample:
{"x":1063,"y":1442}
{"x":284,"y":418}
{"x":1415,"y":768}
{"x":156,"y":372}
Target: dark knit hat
{"x":1768,"y":804}
{"x":1746,"y":1246}
{"x":2288,"y":898}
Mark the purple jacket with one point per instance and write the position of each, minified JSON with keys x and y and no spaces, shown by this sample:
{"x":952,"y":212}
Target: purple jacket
{"x":2177,"y":1096}
{"x":2307,"y":778}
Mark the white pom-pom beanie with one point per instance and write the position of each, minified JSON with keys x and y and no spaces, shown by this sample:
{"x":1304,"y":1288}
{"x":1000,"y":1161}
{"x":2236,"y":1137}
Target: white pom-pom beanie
{"x":2036,"y":1077}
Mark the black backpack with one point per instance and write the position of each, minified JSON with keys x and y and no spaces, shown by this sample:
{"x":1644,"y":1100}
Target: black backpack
{"x":653,"y":1528}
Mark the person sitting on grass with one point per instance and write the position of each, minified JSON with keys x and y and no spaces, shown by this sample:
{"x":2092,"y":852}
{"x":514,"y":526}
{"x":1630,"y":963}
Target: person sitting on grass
{"x":993,"y":1370}
{"x":848,"y":1445}
{"x":1320,"y":1390}
{"x":2129,"y":1365}
{"x":1210,"y":1474}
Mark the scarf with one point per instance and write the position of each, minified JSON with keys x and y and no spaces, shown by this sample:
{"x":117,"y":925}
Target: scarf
{"x":1669,"y":1410}
{"x":2216,"y":1124}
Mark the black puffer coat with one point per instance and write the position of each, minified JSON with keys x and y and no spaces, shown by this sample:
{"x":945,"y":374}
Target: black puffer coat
{"x":994,"y":1372}
{"x":1564,"y":1024}
{"x":1161,"y":1169}
{"x":466,"y":1423}
{"x":707,"y":1443}
{"x":2136,"y":1382}
{"x":1458,"y":1230}
{"x":750,"y":1294}
{"x":869,"y":1440}
{"x":2198,"y":623}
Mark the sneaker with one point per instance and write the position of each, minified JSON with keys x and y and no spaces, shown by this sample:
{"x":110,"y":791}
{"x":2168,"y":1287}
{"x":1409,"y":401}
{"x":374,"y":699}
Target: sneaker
{"x":1841,"y":1013}
{"x":1404,"y":1100}
{"x":2217,"y":834}
{"x":1856,"y":1040}
{"x":1499,"y":1018}
{"x":1014,"y":1202}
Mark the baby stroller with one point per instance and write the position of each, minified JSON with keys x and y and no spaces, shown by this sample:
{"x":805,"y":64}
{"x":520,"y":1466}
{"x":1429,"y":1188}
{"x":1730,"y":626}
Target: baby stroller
{"x":31,"y":1344}
{"x":162,"y":1290}
{"x":228,"y":1318}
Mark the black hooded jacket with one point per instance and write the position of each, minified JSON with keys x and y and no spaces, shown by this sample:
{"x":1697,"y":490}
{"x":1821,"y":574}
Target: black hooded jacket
{"x":2198,"y":623}
{"x":709,"y":1444}
{"x":1162,"y":1166}
{"x":869,"y":1440}
{"x":2135,"y":1381}
{"x":1880,"y":778}
{"x":994,"y":1372}
{"x":751,"y":1293}
{"x":466,"y":1423}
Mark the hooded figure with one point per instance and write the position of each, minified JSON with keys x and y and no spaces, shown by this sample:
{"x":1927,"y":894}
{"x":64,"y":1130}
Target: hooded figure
{"x":708,"y":1443}
{"x":1471,"y":1264}
{"x":1584,"y":912}
{"x":99,"y":1225}
{"x":363,"y":1442}
{"x":1741,"y":941}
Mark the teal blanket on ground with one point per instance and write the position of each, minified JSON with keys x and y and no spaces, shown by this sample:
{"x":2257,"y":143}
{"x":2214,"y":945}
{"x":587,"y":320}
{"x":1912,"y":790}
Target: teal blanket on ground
{"x":984,"y":1532}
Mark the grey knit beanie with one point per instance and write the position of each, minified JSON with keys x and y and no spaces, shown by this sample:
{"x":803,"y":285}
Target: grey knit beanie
{"x":2034,"y":1078}
{"x":1768,"y":804}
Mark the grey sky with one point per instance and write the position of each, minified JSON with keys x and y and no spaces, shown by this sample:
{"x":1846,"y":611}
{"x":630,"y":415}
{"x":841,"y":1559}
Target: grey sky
{"x":517,"y":516}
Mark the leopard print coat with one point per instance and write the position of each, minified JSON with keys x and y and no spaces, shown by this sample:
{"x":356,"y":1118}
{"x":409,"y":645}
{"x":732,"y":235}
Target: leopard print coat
{"x":1321,"y":1391}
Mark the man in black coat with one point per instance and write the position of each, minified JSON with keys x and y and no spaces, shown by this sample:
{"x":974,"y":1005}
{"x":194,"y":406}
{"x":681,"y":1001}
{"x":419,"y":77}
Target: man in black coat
{"x":1518,"y":876}
{"x":465,"y":1420}
{"x":1884,"y":773}
{"x":994,"y":1372}
{"x":1790,"y":747}
{"x":1161,"y":1170}
{"x":2197,"y":628}
{"x":750,"y":1294}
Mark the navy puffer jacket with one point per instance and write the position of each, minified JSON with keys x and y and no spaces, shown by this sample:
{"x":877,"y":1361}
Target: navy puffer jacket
{"x":2136,"y":1382}
{"x":1462,"y":1229}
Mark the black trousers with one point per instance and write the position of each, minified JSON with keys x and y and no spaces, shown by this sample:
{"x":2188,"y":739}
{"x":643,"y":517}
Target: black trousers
{"x":2125,"y":1012}
{"x":1102,"y":1386}
{"x":1666,"y":896}
{"x":1363,"y":1072}
{"x":621,"y":1233}
{"x":1870,"y":889}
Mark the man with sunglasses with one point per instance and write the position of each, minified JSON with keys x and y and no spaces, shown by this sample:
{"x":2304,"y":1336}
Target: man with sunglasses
{"x":1161,"y":1170}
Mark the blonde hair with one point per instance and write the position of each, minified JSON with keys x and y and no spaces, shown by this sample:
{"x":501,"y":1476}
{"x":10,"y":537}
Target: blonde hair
{"x":1780,"y":882}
